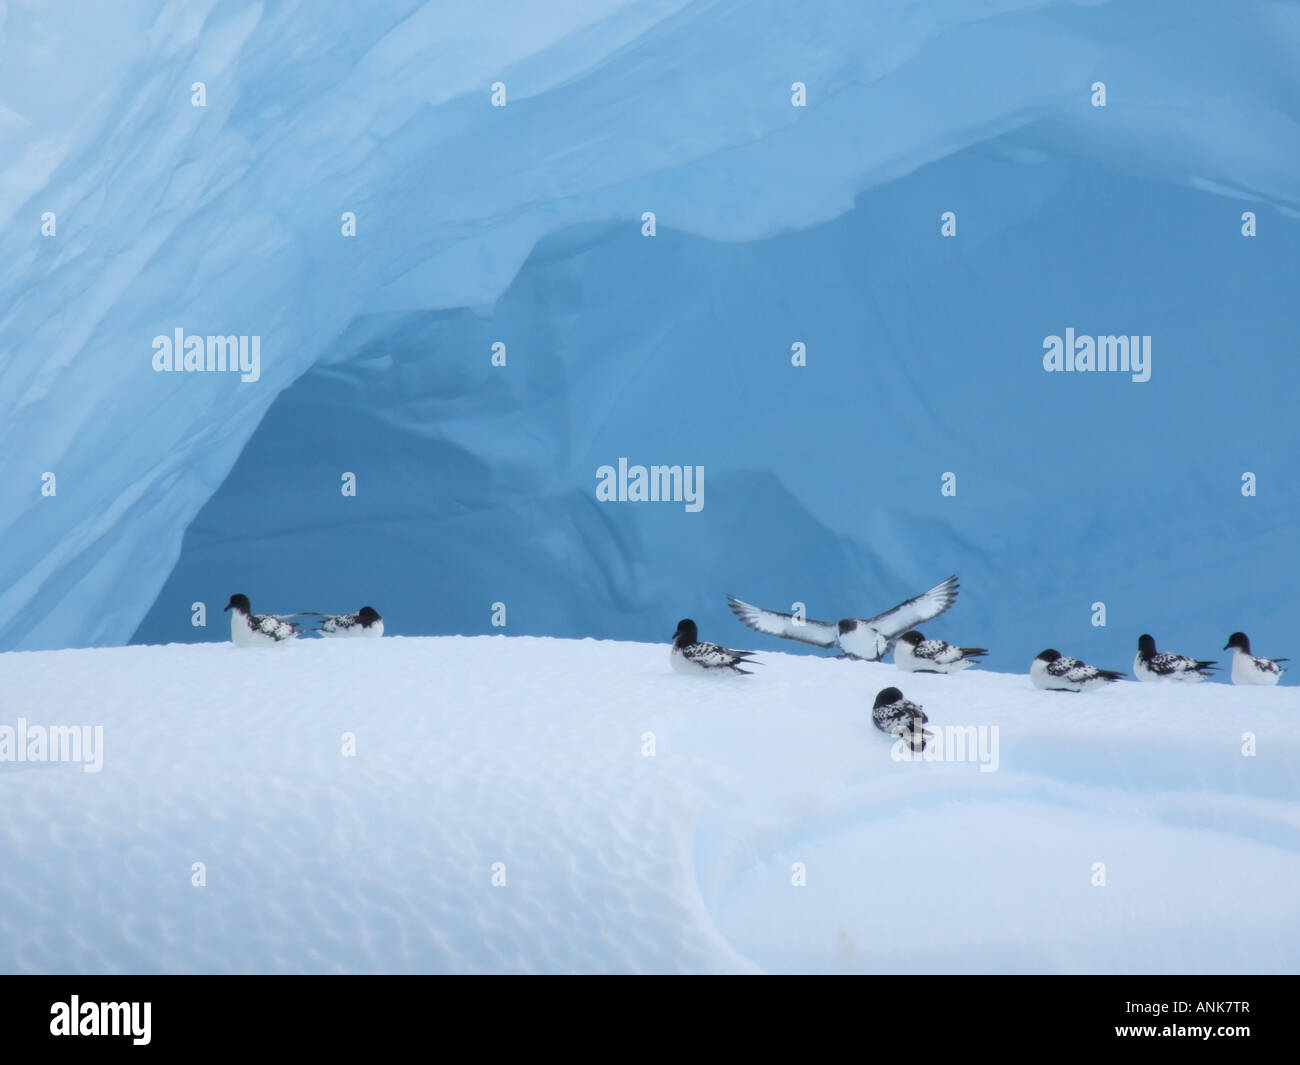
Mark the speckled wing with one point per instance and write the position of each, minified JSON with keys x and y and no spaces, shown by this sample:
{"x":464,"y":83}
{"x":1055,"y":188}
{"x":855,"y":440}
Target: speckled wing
{"x":1066,"y":668}
{"x":938,"y":651}
{"x":1168,"y":664}
{"x":711,"y":656}
{"x":904,"y":720}
{"x":1270,"y":665}
{"x":904,"y":712}
{"x":333,"y":624}
{"x":1076,"y":672}
{"x":786,"y":626}
{"x":912,"y":613}
{"x":275,"y":627}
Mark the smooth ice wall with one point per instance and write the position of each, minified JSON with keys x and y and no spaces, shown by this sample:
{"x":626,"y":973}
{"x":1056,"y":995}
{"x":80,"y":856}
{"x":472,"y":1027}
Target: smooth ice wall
{"x":776,"y":224}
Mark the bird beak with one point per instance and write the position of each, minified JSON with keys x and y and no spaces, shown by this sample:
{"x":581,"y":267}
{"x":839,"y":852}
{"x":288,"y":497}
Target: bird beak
{"x":225,"y":608}
{"x":1226,"y":646}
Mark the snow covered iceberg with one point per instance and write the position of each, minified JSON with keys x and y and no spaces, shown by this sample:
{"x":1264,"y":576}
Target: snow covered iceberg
{"x":489,"y":804}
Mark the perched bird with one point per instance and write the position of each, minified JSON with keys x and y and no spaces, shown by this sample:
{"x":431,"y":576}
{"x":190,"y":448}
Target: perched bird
{"x":691,"y":656}
{"x":900,"y":717}
{"x":1246,"y":668}
{"x":365,"y":622}
{"x":915,"y":654}
{"x":257,"y":630}
{"x":1053,"y":672}
{"x":1165,"y":665}
{"x":868,"y":639}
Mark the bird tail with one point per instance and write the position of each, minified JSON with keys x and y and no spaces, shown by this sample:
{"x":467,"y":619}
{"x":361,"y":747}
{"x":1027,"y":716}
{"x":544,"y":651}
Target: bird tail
{"x":1111,"y":674}
{"x":1207,"y":666}
{"x":744,"y":658}
{"x":973,"y":652}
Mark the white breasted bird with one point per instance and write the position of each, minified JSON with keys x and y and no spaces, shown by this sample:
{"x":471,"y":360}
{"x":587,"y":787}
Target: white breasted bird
{"x":365,"y":622}
{"x":1054,"y":672}
{"x":915,"y":654}
{"x":901,"y":718}
{"x":1150,"y":664}
{"x":689,"y":655}
{"x":866,"y":638}
{"x":1248,"y":668}
{"x":257,"y":630}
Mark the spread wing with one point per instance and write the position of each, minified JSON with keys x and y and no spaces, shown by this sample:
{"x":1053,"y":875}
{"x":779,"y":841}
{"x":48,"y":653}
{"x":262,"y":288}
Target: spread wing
{"x":921,"y":608}
{"x":787,"y":626}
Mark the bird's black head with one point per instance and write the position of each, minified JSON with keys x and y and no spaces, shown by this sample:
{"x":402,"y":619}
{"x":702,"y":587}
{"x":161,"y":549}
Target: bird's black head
{"x":886,"y":696}
{"x":686,"y":633}
{"x":1238,"y":639}
{"x":368,"y":615}
{"x":1146,"y":645}
{"x":912,"y":637}
{"x":1050,"y":655}
{"x":239,"y":601}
